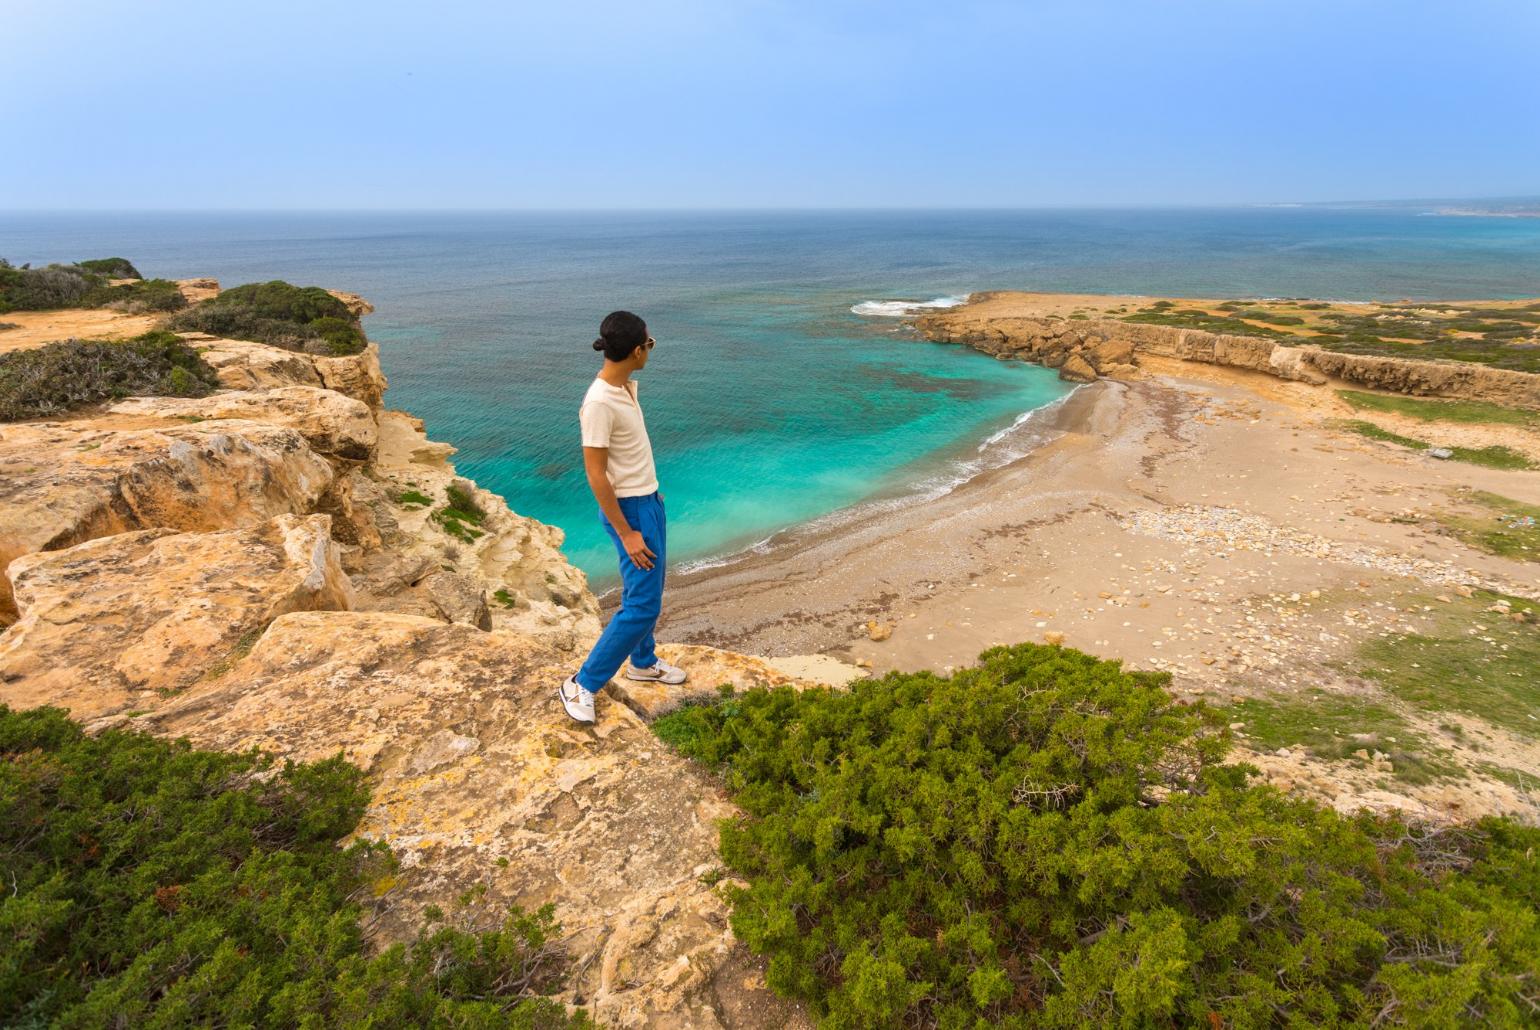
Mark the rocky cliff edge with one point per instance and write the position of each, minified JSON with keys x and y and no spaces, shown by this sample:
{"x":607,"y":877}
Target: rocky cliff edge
{"x":286,"y":564}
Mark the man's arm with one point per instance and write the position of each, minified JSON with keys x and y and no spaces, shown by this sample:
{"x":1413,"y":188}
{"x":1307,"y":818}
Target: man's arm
{"x":596,"y":461}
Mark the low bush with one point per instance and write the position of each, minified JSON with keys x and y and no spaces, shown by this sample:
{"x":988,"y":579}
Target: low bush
{"x":44,"y":289}
{"x":294,"y":317}
{"x":69,"y":374}
{"x":84,"y":285}
{"x":138,"y":297}
{"x":1046,"y":839}
{"x":152,"y":884}
{"x":112,"y":268}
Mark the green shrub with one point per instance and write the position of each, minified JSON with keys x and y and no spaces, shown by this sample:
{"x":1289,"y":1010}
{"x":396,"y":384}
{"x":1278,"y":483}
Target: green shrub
{"x":112,"y":268}
{"x":137,"y":297}
{"x":151,"y":884}
{"x":461,"y":516}
{"x":298,"y":318}
{"x":1048,"y":840}
{"x":44,"y":289}
{"x":69,"y":374}
{"x":84,"y":285}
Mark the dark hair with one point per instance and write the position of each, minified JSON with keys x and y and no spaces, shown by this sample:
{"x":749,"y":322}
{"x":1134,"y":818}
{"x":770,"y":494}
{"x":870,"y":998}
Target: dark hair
{"x":619,"y":334}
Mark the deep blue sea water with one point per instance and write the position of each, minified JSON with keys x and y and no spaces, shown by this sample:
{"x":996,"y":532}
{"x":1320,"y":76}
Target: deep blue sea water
{"x":768,"y":400}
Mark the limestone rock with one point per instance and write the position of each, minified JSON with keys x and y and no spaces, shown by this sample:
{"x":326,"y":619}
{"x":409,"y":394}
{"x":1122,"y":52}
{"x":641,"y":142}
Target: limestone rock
{"x":517,"y":558}
{"x":246,"y":365}
{"x":65,"y":483}
{"x":331,"y":422}
{"x":479,"y":777}
{"x":457,"y":598}
{"x":357,"y":306}
{"x":113,"y":619}
{"x":879,"y":631}
{"x":1077,"y":369}
{"x":355,"y":375}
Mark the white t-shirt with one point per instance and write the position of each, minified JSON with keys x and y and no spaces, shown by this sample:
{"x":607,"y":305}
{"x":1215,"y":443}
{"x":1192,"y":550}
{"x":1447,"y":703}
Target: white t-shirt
{"x":612,"y":418}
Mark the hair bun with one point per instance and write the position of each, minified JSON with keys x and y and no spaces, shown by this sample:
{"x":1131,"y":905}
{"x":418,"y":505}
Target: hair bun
{"x":599,"y":343}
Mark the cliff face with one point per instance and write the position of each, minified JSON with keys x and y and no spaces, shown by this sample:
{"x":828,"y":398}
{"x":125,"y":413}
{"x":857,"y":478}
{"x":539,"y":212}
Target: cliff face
{"x":286,"y":564}
{"x":1084,"y":349}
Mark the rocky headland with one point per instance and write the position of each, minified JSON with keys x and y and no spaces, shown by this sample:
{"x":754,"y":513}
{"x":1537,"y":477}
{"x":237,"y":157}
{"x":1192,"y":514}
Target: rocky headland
{"x":287,"y":564}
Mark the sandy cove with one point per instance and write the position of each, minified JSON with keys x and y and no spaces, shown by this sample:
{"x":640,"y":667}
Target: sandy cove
{"x":1202,"y":520}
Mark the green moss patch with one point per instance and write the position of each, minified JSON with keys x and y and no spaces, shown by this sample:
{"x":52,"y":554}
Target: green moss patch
{"x":1476,"y":412}
{"x":461,"y":517}
{"x":1511,"y":528}
{"x":1495,"y":457}
{"x":1479,"y":662}
{"x":1342,"y":728}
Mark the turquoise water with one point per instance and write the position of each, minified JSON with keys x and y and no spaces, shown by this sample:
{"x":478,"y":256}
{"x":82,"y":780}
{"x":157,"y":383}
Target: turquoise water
{"x":768,"y":400}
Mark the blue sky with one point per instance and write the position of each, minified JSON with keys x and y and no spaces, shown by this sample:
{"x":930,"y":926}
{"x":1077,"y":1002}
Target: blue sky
{"x":764,"y":104}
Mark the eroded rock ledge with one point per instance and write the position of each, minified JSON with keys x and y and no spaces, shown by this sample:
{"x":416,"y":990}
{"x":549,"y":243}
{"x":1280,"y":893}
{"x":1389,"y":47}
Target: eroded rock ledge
{"x":1085,"y":349}
{"x":276,"y":565}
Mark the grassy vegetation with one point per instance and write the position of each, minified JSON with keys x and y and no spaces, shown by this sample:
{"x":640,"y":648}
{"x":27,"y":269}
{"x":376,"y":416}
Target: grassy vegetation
{"x":1499,"y":337}
{"x":1336,"y":728}
{"x":1512,"y":530}
{"x":504,"y":598}
{"x":151,"y":884}
{"x":69,"y":374}
{"x":1049,"y":840}
{"x":112,"y":268}
{"x":1475,"y":661}
{"x":1476,"y":412}
{"x":461,"y":517}
{"x":138,"y":297}
{"x":1496,"y":456}
{"x":1192,"y":318}
{"x":416,"y":497}
{"x":297,"y":318}
{"x":85,"y":285}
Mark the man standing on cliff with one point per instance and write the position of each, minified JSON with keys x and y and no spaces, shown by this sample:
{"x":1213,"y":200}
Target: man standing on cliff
{"x":618,"y":459}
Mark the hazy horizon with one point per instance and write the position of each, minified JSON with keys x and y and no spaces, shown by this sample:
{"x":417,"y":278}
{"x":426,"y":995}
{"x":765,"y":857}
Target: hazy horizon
{"x":1387,"y":203}
{"x":765,"y":106}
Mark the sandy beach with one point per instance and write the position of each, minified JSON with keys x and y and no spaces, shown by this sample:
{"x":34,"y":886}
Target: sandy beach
{"x":1210,"y":522}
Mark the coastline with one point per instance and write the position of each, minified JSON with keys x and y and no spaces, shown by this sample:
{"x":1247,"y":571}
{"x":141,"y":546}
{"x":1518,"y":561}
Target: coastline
{"x":1210,"y":522}
{"x":931,"y":479}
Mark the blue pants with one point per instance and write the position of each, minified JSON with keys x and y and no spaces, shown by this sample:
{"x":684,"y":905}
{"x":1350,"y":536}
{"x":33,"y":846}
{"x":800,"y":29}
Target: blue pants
{"x":629,"y":634}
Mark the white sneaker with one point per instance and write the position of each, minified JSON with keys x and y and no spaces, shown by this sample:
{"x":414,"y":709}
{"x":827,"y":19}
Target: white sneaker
{"x":576,"y":699}
{"x":662,"y":672}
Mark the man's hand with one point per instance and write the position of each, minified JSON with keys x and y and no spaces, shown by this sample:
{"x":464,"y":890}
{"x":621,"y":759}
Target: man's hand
{"x":637,"y":548}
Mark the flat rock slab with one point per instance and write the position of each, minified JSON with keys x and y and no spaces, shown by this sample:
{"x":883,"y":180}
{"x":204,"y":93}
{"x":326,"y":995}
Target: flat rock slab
{"x":329,"y":421}
{"x":122,"y":620}
{"x":62,"y":483}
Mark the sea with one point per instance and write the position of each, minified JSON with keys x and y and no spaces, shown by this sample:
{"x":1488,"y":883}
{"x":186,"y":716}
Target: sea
{"x":784,"y":387}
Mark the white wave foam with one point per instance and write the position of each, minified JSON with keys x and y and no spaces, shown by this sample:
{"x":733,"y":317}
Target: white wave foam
{"x":900,"y":308}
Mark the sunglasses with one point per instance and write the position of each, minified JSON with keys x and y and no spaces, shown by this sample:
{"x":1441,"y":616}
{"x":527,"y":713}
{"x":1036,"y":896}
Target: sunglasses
{"x":651,"y":343}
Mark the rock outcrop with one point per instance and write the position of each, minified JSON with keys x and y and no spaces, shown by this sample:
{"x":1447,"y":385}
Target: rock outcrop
{"x":63,"y":483}
{"x":116,"y":622}
{"x":285,"y":564}
{"x":1084,"y":349}
{"x":479,"y":779}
